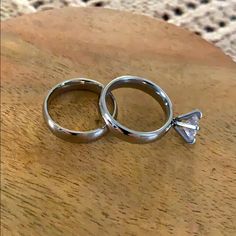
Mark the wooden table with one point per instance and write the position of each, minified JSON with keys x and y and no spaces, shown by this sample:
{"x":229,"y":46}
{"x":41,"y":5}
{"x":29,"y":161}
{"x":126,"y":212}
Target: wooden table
{"x":110,"y":187}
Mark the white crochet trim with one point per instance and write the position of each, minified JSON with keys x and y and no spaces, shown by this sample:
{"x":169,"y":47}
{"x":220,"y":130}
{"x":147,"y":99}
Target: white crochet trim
{"x":214,"y":20}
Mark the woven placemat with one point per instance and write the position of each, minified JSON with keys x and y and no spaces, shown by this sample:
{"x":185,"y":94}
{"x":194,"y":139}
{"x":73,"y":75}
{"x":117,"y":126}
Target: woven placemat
{"x":214,"y":20}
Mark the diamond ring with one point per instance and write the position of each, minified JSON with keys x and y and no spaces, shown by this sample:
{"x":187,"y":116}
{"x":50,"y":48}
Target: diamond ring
{"x":186,"y":125}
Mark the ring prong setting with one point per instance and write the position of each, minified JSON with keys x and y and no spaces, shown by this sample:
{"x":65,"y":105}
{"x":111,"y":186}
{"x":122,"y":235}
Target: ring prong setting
{"x":187,"y":125}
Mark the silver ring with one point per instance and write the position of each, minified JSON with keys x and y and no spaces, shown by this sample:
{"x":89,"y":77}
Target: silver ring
{"x":186,"y":125}
{"x":72,"y":135}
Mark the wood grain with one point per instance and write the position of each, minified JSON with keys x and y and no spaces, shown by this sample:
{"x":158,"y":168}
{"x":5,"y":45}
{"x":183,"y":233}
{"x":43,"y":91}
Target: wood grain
{"x":110,"y":187}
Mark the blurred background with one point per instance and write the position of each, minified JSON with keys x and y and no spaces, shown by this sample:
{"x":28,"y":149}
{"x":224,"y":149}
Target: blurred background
{"x":214,"y":20}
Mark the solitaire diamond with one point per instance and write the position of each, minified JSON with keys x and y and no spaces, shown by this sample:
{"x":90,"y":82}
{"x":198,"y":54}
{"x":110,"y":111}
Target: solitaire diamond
{"x":187,"y":125}
{"x":192,"y":121}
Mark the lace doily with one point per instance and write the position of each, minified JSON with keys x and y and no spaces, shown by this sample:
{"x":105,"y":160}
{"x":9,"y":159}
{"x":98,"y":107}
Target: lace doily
{"x":214,"y":20}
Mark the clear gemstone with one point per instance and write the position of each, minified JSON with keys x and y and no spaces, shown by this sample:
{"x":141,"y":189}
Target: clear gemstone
{"x":191,"y":133}
{"x":186,"y":125}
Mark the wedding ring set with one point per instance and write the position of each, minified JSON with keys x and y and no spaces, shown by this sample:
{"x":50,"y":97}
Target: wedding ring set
{"x":186,"y":125}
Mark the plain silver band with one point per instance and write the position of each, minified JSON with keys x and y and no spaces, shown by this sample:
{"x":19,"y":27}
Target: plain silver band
{"x":147,"y":86}
{"x":72,"y":135}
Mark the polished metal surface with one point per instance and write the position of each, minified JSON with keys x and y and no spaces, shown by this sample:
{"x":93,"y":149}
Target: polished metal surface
{"x":72,"y":135}
{"x":148,"y":87}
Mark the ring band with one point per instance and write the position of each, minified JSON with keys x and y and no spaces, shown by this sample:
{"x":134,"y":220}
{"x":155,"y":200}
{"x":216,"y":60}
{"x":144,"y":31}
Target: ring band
{"x":72,"y":135}
{"x":186,"y":125}
{"x":147,"y":86}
